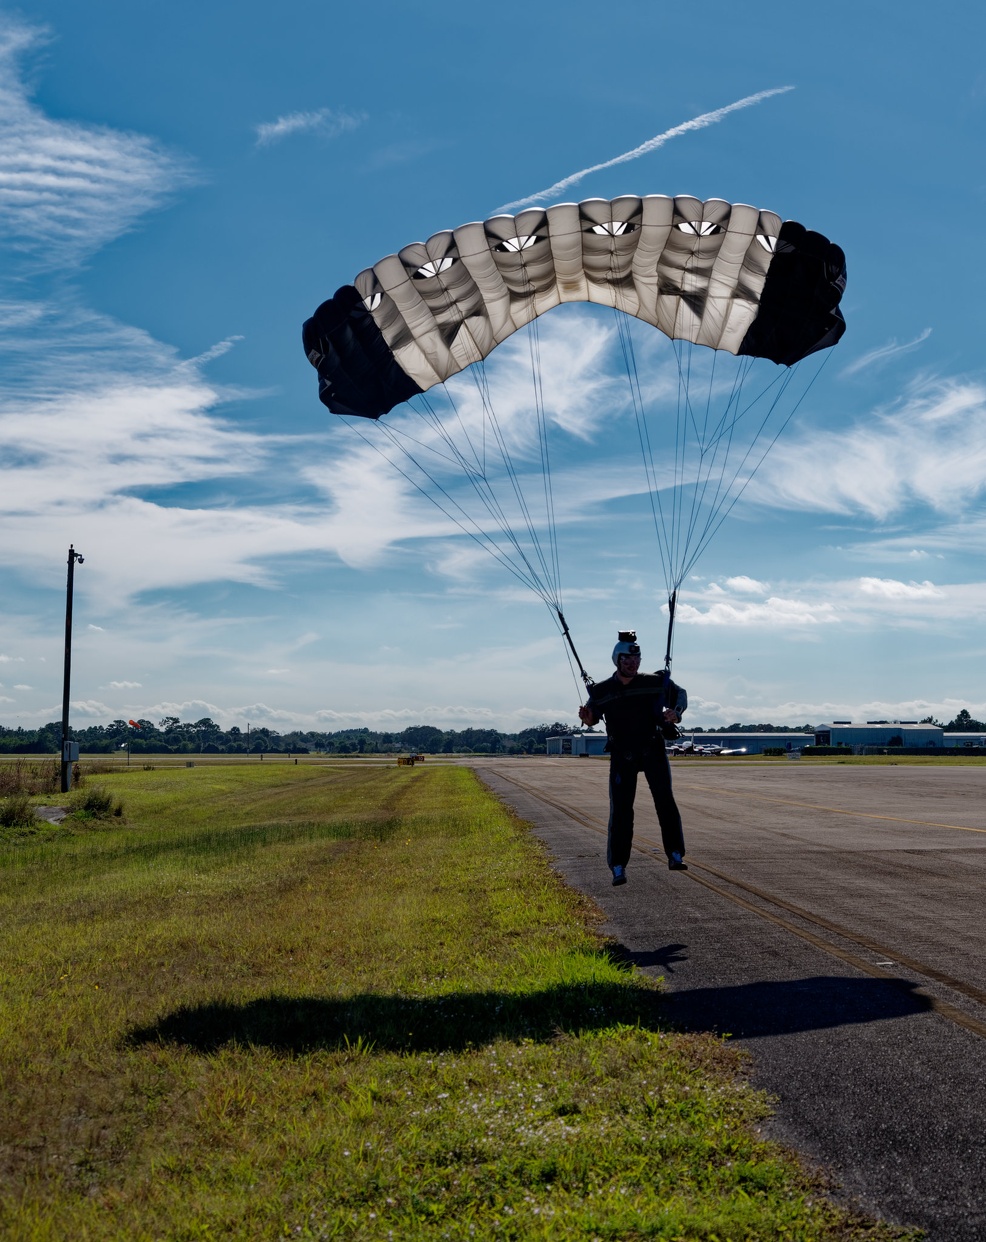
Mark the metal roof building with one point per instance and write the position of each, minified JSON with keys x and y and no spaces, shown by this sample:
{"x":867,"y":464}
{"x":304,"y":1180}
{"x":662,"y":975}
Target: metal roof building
{"x":879,"y":733}
{"x":590,"y":743}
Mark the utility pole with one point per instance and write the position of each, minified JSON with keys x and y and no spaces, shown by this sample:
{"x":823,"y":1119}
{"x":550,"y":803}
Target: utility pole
{"x":70,"y":750}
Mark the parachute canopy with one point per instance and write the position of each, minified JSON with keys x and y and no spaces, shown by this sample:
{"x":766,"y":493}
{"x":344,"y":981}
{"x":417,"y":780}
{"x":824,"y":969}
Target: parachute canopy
{"x":730,"y":277}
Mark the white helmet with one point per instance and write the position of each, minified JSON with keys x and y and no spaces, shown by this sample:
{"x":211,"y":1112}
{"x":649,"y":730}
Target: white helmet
{"x":627,"y":645}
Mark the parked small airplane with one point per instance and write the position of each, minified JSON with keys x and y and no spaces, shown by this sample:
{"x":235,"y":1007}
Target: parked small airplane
{"x":687,"y":747}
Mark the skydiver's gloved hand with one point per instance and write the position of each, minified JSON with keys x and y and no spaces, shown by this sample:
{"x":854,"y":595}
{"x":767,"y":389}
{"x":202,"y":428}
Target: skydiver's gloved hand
{"x":586,"y":715}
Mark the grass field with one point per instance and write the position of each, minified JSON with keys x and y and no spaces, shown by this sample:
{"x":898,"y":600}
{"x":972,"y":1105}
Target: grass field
{"x":310,"y":1002}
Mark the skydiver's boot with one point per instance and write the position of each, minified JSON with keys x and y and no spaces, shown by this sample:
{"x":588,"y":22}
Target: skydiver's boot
{"x":619,"y":875}
{"x":675,"y":863}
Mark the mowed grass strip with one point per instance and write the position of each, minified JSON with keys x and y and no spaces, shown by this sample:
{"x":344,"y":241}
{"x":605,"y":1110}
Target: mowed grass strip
{"x":357,"y":1004}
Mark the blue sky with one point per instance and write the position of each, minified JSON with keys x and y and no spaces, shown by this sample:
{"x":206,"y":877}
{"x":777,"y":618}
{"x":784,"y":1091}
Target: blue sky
{"x":181,"y":187}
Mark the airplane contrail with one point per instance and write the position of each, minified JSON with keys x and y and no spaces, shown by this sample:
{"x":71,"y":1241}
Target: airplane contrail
{"x":652,"y":144}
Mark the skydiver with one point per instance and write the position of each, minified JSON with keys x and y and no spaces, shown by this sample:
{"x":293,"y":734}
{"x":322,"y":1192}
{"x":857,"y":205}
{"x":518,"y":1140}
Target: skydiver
{"x":640,"y":708}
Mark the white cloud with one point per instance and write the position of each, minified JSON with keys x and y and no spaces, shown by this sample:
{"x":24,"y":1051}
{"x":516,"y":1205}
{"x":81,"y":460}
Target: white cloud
{"x":125,"y":685}
{"x":67,"y":188}
{"x":260,"y":713}
{"x":890,"y":588}
{"x":325,"y":122}
{"x":876,"y":357}
{"x":91,"y":708}
{"x":747,"y":586}
{"x":22,"y":687}
{"x":98,"y":628}
{"x":190,"y":710}
{"x":928,"y":448}
{"x":774,"y":613}
{"x":399,"y":718}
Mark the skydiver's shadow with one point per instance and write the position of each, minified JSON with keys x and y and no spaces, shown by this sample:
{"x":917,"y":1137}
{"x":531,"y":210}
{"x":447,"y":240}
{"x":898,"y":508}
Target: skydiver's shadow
{"x":662,"y":958}
{"x":756,"y":1010}
{"x":461,"y":1020}
{"x":451,"y":1022}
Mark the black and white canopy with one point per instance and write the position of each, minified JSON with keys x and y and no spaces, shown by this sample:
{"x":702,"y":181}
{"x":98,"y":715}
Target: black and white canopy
{"x":730,"y":277}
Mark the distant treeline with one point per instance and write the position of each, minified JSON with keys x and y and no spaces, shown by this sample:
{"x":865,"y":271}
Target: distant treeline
{"x":173,"y":736}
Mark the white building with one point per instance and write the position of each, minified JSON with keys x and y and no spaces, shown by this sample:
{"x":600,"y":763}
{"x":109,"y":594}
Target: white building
{"x":879,"y":733}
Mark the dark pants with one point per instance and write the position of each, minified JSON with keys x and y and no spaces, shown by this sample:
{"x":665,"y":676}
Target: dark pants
{"x":623,"y":768}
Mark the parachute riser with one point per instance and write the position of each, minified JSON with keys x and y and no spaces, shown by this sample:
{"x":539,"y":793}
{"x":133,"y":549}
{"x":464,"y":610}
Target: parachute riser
{"x":671,"y":732}
{"x":672,"y":603}
{"x":566,"y":633}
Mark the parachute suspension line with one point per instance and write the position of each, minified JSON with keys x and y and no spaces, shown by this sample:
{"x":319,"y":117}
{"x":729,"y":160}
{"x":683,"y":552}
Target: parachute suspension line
{"x":684,"y":536}
{"x":484,"y":491}
{"x":482,"y":385}
{"x":534,"y":341}
{"x":710,"y":533}
{"x":694,"y":542}
{"x":646,"y":450}
{"x":657,"y":510}
{"x":643,"y":432}
{"x":722,"y":435}
{"x":477,"y":480}
{"x":478,"y":473}
{"x":455,"y":513}
{"x":547,"y":583}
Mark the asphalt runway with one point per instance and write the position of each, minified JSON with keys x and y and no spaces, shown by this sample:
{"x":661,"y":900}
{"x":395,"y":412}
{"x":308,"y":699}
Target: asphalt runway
{"x":831,"y":921}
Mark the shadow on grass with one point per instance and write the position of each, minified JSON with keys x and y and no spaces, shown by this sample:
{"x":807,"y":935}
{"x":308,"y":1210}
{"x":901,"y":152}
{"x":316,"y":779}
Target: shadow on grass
{"x":452,"y":1022}
{"x":404,"y":1023}
{"x":461,"y":1020}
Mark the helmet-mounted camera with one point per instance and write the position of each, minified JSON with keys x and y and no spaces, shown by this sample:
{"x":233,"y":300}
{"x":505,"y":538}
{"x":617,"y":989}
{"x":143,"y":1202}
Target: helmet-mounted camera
{"x":626,"y":644}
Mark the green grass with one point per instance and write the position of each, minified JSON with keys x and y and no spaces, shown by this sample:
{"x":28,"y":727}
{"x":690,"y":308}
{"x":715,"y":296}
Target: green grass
{"x":356,"y":1004}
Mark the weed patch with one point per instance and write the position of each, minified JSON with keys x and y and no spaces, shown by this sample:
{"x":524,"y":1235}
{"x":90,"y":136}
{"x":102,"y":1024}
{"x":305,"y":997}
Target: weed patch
{"x":29,"y":776}
{"x":94,"y":802}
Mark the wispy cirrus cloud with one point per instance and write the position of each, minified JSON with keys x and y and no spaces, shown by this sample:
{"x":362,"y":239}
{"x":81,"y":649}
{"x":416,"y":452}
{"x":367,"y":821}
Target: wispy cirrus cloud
{"x":652,"y":144}
{"x":325,"y":122}
{"x":67,"y":188}
{"x":927,"y":448}
{"x":883,"y":353}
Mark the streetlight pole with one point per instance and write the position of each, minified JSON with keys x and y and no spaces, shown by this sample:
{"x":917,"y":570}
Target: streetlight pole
{"x":69,"y":755}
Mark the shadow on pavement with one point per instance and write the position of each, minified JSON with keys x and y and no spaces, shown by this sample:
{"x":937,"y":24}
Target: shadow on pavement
{"x":663,"y":958}
{"x":752,"y":1010}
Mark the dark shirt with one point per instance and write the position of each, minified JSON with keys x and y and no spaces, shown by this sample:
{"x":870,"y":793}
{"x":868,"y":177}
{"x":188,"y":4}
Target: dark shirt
{"x":634,"y":712}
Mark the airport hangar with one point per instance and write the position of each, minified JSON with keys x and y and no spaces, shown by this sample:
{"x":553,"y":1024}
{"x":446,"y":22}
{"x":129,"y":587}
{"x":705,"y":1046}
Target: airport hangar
{"x":843,"y":733}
